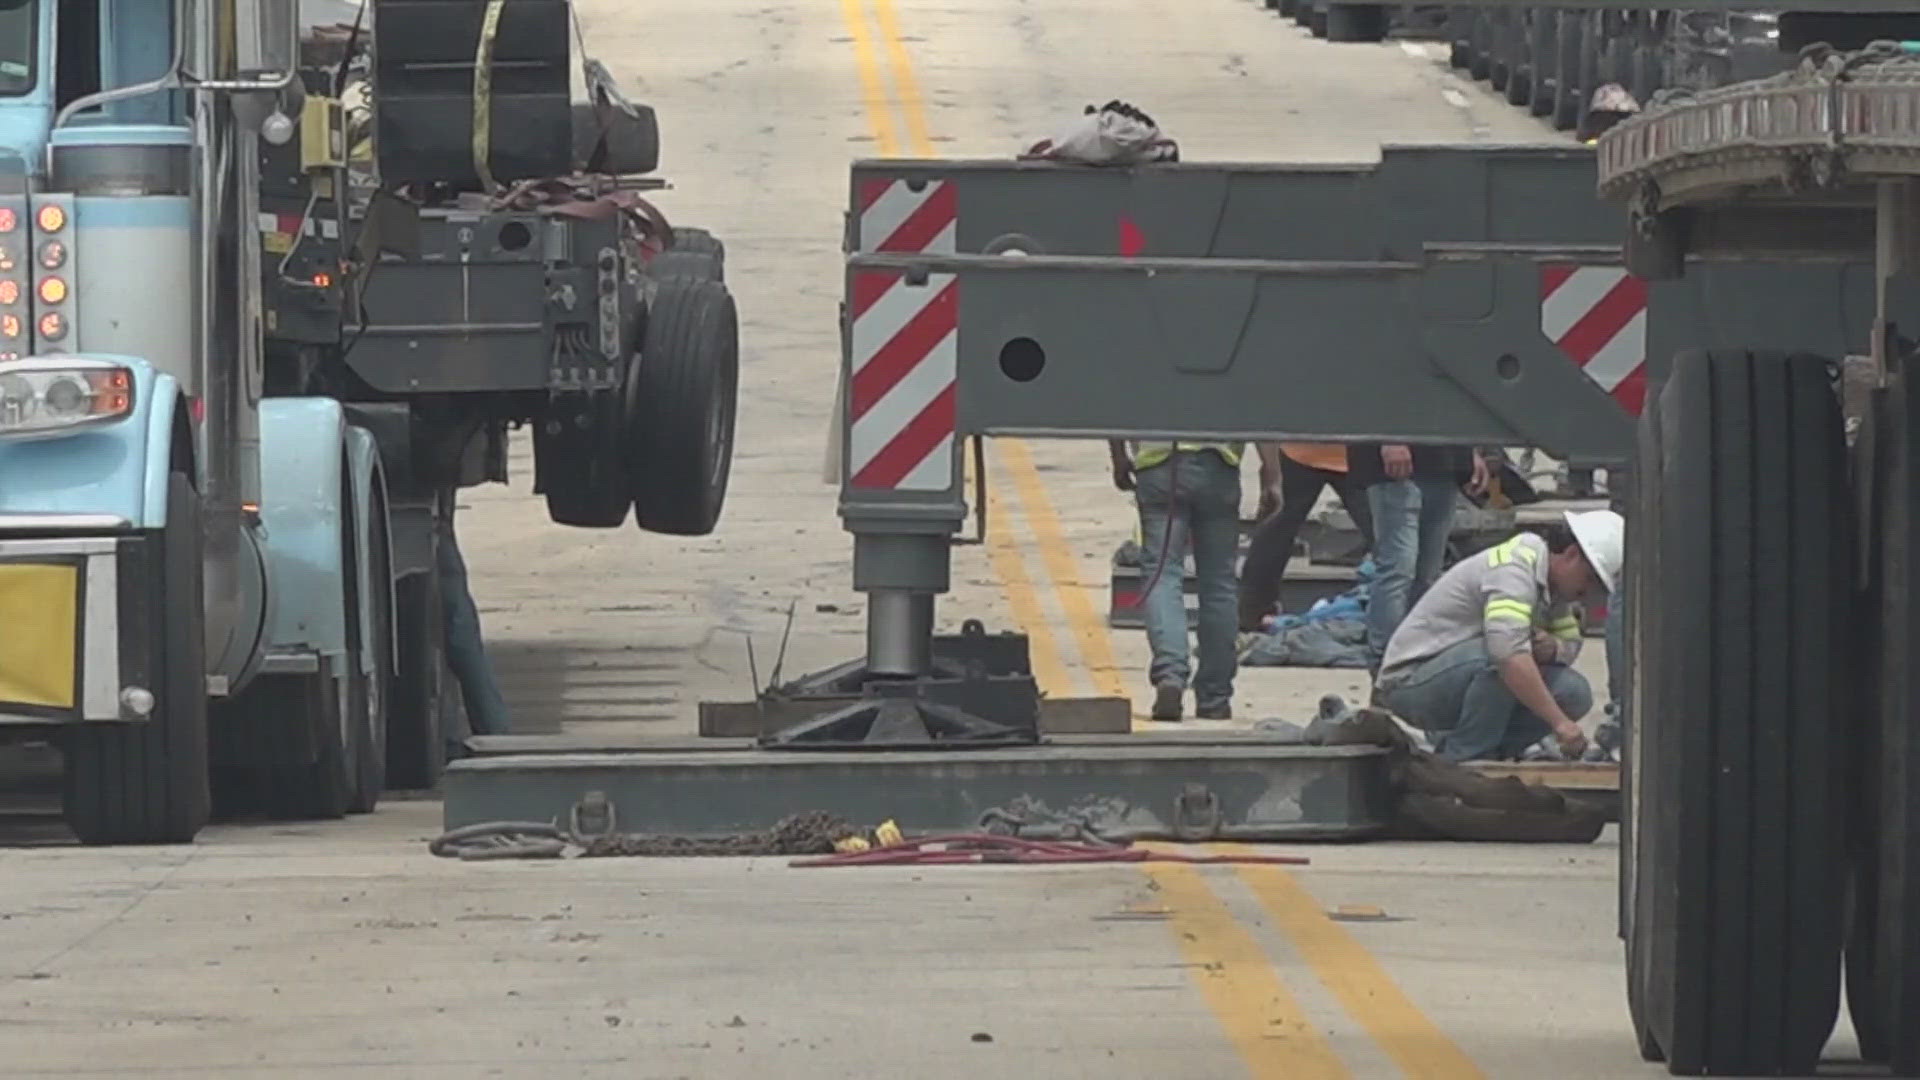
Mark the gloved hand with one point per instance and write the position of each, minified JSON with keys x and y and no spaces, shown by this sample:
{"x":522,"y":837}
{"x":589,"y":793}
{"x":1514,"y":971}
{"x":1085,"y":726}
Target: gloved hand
{"x":1112,"y":134}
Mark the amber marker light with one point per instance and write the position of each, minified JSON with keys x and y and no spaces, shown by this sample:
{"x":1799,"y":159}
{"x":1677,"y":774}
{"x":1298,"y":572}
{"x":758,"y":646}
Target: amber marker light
{"x":51,"y":218}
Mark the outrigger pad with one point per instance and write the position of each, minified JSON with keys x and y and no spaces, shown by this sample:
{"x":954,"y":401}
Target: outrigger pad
{"x":897,"y":717}
{"x":1741,"y":608}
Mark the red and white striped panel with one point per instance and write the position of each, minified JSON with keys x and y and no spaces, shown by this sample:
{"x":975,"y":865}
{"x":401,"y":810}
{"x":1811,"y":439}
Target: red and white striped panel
{"x":1597,"y":315}
{"x":895,"y":217}
{"x":905,"y":345}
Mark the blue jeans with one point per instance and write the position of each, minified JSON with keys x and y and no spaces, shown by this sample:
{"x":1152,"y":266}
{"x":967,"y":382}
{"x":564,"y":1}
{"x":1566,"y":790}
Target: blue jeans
{"x":466,"y":652}
{"x":1457,"y":697}
{"x":1191,"y":501}
{"x":1411,"y":520}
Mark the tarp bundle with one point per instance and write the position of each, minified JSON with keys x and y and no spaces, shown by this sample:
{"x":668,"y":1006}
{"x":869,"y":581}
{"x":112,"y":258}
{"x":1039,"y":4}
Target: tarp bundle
{"x":1440,"y":800}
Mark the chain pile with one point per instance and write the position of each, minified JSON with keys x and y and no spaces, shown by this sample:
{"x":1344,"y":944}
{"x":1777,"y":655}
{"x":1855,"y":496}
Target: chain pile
{"x":812,"y":832}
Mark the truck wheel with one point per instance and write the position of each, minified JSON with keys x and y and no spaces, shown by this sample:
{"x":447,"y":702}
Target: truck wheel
{"x":1317,"y":18}
{"x":1566,"y":70}
{"x":1356,"y":22}
{"x":1744,"y":594}
{"x":373,"y":691}
{"x":681,"y":397}
{"x":416,"y":752}
{"x":700,"y":265}
{"x":583,"y":471}
{"x":147,"y":783}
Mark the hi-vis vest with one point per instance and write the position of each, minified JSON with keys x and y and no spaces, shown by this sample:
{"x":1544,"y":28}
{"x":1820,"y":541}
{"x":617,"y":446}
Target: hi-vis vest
{"x":1148,"y":454}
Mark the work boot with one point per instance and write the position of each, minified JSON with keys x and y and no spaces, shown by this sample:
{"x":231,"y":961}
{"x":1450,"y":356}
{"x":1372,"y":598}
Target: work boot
{"x":1214,"y":710}
{"x":1167,"y":701}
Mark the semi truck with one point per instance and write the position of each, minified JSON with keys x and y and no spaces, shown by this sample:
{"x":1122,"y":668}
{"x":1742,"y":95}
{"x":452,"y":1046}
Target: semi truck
{"x":269,"y":296}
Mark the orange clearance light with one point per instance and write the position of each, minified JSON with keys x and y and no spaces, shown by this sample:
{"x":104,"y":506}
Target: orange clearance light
{"x":9,"y":220}
{"x":52,"y":218}
{"x":9,"y":292}
{"x":118,"y":381}
{"x":322,"y":280}
{"x":9,"y":326}
{"x":52,"y":326}
{"x":53,"y":290}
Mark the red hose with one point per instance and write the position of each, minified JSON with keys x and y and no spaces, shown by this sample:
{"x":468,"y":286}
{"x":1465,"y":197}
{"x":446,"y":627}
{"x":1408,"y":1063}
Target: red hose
{"x":969,"y":848}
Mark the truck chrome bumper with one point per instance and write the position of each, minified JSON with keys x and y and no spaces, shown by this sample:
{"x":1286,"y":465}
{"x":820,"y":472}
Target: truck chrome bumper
{"x":74,"y":615}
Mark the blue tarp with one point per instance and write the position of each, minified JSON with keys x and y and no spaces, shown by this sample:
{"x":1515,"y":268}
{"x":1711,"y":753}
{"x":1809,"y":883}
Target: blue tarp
{"x":1330,"y":634}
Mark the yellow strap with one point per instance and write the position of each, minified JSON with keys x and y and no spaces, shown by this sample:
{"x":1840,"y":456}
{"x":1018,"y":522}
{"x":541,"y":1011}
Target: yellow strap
{"x":1502,"y":608}
{"x":1567,"y":627}
{"x":483,"y":94}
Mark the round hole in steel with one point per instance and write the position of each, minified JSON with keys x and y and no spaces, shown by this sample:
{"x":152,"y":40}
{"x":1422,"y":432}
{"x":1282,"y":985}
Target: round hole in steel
{"x":1022,"y":359}
{"x":1508,"y":366}
{"x":515,"y":235}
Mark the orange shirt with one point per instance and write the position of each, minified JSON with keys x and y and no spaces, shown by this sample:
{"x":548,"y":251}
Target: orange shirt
{"x":1330,"y":457}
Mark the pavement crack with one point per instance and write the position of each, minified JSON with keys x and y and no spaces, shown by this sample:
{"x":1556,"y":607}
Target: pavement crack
{"x":38,"y":970}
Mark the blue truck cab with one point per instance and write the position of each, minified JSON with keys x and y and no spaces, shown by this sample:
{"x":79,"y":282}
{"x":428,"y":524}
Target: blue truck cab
{"x":192,"y":575}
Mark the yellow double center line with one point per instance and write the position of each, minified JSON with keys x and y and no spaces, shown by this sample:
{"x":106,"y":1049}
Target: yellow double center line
{"x":1260,"y":1015}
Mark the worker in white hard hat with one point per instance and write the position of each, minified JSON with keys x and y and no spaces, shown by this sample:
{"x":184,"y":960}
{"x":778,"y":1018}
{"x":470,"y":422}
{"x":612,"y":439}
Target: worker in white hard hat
{"x":1483,"y":662}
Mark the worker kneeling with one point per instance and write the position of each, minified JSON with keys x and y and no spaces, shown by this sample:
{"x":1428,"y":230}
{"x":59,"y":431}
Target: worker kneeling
{"x":1483,"y":661}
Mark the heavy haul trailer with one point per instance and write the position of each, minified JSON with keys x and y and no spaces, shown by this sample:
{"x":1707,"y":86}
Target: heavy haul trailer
{"x":201,"y":523}
{"x":995,"y":298}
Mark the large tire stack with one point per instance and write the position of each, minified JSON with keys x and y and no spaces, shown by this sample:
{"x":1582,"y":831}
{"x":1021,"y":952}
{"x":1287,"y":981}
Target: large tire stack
{"x":1743,"y":603}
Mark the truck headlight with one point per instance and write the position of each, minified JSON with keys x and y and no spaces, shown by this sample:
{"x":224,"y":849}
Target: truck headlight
{"x":47,"y":396}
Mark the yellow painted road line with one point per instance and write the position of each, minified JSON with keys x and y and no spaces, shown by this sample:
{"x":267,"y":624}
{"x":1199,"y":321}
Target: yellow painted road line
{"x":1096,"y":643}
{"x":1259,"y":1014}
{"x":912,"y":106}
{"x":1003,"y":554}
{"x":1358,"y":981}
{"x":873,"y":92}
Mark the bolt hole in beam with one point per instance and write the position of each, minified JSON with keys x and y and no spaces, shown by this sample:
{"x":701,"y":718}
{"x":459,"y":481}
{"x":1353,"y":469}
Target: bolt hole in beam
{"x":515,"y":236}
{"x":1022,"y":359}
{"x":1508,"y":366}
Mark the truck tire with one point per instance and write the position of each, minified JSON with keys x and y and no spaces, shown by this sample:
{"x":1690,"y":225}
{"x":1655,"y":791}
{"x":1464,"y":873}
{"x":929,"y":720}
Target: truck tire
{"x":633,"y":142}
{"x":373,"y":690}
{"x":1567,"y":86}
{"x":1738,"y":784}
{"x":583,"y":472}
{"x":1883,"y":955}
{"x":416,"y":751}
{"x":696,"y":253}
{"x":681,"y":396}
{"x":1364,"y":23}
{"x":147,"y":783}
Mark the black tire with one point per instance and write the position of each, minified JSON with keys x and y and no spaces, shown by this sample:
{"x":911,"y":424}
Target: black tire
{"x":583,"y":472}
{"x":1738,"y":778}
{"x":1364,"y":23}
{"x":699,"y":265}
{"x":147,"y":783}
{"x":1567,"y":85}
{"x":1317,"y":19}
{"x":416,"y":750}
{"x":1303,"y":14}
{"x":681,"y":396}
{"x":1887,"y":945}
{"x":632,"y":145}
{"x":373,"y":691}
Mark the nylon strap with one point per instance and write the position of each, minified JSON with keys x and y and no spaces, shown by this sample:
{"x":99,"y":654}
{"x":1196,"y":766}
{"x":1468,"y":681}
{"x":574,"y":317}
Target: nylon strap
{"x":483,"y":94}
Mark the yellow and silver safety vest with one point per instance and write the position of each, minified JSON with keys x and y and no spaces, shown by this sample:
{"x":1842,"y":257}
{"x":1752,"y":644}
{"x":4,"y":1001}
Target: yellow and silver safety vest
{"x":1148,"y":454}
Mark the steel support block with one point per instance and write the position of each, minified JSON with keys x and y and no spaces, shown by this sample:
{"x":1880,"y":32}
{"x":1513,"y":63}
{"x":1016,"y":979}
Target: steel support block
{"x":1158,"y":787}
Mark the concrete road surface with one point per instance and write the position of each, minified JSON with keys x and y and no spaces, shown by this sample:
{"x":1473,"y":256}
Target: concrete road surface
{"x":343,"y":949}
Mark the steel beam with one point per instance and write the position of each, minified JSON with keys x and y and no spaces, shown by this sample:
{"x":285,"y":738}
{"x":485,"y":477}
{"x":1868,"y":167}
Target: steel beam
{"x":1160,"y":787}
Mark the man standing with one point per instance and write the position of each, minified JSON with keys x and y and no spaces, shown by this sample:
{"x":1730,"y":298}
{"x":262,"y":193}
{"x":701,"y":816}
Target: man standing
{"x":1292,"y":476}
{"x":466,"y":650}
{"x":1188,"y":495}
{"x":1411,"y":491}
{"x":1483,"y":661}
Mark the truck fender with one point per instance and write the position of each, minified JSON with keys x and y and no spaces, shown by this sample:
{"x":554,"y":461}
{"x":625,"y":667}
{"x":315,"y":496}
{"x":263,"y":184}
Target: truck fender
{"x":168,"y":432}
{"x":303,"y":452}
{"x":370,"y":499}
